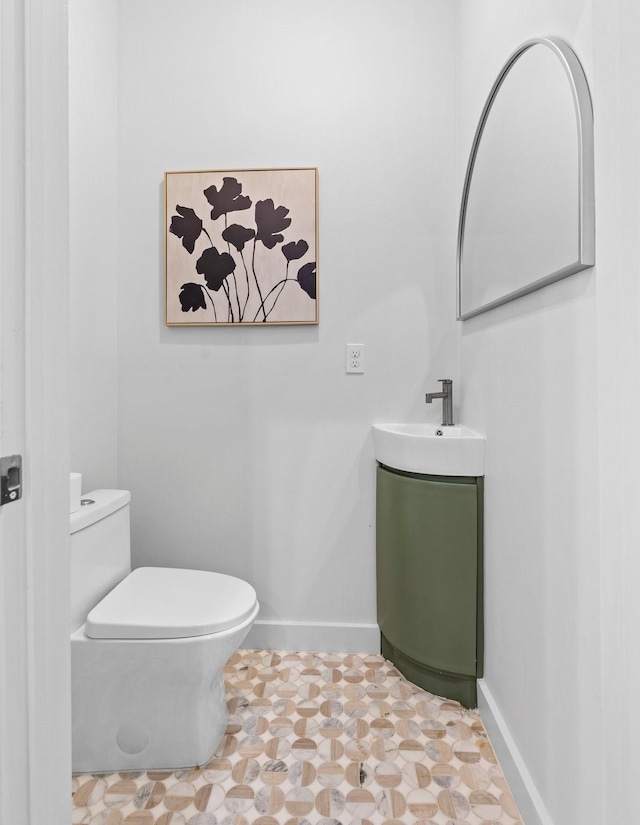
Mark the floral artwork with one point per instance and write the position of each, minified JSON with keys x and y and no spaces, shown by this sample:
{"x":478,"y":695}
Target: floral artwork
{"x":241,"y":247}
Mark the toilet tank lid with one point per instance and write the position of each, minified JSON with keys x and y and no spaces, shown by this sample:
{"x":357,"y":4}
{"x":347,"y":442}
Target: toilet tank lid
{"x":171,"y":603}
{"x":104,"y":503}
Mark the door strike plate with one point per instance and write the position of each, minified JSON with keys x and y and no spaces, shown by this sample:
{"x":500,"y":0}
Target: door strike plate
{"x":10,"y":479}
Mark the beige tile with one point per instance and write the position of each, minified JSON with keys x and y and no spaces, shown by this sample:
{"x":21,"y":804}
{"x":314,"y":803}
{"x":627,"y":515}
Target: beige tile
{"x":331,"y":736}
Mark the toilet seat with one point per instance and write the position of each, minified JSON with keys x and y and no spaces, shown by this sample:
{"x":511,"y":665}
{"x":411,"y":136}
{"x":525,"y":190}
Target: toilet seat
{"x":171,"y":603}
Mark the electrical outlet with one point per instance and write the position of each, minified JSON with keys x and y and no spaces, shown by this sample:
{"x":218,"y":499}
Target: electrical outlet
{"x":354,"y":358}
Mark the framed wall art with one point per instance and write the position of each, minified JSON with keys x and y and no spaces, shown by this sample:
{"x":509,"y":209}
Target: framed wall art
{"x":241,"y":247}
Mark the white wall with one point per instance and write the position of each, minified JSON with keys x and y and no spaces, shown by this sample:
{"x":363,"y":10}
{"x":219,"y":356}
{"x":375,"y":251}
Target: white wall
{"x":529,"y":373}
{"x":93,"y":74}
{"x":248,"y":451}
{"x":617,"y":65}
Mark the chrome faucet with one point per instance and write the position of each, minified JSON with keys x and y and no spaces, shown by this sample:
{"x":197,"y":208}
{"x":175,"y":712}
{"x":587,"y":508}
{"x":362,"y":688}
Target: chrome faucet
{"x":447,"y":400}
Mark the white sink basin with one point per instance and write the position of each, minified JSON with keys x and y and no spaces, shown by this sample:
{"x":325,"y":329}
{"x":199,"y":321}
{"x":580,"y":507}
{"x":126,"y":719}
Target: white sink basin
{"x":429,"y":449}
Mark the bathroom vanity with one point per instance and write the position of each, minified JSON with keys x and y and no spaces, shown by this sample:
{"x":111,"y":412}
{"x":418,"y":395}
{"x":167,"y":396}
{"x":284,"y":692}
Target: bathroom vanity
{"x":429,"y":528}
{"x":429,"y":579}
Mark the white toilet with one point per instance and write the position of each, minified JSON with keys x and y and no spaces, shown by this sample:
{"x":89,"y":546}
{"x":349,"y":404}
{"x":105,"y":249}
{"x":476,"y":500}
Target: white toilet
{"x":147,"y":649}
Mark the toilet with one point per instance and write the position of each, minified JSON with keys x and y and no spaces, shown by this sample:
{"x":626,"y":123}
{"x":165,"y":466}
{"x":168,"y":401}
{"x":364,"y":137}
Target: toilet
{"x":147,"y":649}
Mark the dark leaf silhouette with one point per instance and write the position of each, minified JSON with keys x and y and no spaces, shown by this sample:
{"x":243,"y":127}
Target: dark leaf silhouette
{"x":188,"y":227}
{"x":238,"y":235}
{"x":307,"y":278}
{"x":293,"y":251}
{"x":215,"y":267}
{"x":271,"y":221}
{"x":192,"y":297}
{"x":228,"y":199}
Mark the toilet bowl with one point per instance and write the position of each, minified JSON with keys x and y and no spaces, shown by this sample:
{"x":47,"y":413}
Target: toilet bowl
{"x":147,"y":649}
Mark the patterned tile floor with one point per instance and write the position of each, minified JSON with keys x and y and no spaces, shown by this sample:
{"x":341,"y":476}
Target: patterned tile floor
{"x":319,"y":739}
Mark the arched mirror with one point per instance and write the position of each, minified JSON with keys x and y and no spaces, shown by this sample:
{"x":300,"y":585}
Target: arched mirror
{"x":527,"y":214}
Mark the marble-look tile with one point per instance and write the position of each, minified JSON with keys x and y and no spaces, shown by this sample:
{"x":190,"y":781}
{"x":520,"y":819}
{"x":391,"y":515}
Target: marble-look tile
{"x":319,"y":738}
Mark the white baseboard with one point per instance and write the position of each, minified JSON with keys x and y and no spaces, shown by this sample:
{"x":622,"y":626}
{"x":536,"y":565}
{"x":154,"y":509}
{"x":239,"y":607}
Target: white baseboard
{"x":326,"y":636}
{"x":523,"y":788}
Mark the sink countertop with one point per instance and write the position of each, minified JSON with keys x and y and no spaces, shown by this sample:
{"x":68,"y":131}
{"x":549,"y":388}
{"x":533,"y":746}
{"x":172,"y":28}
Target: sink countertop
{"x":430,"y":449}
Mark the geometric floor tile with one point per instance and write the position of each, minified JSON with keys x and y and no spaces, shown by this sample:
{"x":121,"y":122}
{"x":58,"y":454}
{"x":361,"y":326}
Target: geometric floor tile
{"x":319,"y":739}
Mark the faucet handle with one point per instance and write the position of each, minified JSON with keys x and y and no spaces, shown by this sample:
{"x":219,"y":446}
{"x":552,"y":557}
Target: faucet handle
{"x":445,"y":380}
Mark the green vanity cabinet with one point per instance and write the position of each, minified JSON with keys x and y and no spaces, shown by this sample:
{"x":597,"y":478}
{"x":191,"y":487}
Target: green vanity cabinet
{"x":429,"y":579}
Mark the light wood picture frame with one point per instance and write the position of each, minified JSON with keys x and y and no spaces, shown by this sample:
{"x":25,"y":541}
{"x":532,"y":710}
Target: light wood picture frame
{"x":241,"y":247}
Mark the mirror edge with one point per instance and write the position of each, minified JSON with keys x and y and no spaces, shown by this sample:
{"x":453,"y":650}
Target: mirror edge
{"x":586,"y":193}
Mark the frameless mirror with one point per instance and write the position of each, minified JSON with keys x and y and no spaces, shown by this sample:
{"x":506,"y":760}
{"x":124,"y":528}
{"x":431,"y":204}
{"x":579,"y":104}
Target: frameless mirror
{"x":527,"y":214}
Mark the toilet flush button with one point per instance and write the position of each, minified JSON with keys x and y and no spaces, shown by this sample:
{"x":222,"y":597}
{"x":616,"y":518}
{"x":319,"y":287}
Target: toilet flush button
{"x":132,"y":737}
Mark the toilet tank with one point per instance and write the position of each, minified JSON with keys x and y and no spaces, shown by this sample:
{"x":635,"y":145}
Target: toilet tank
{"x":100,"y":549}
